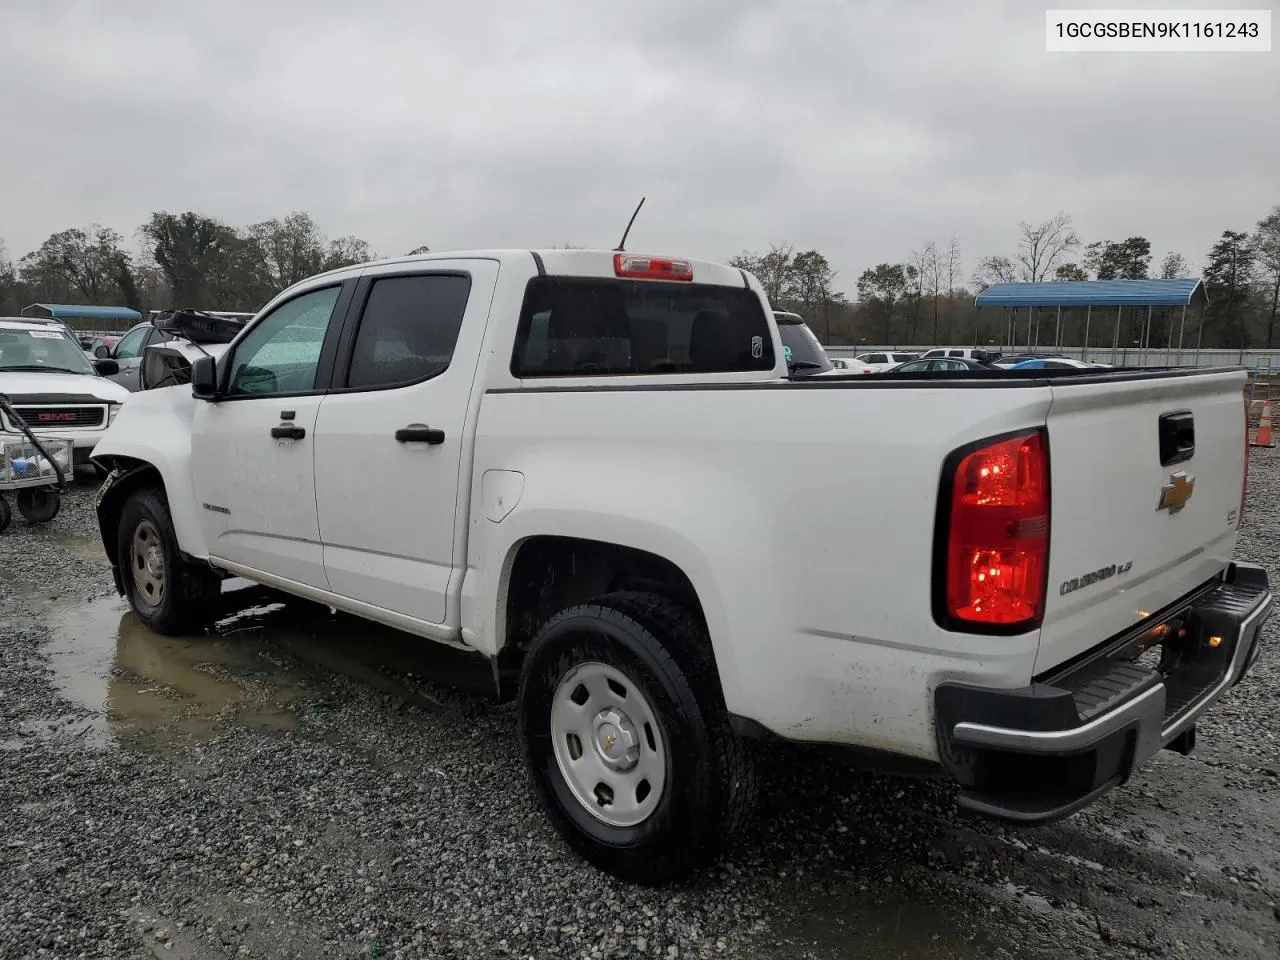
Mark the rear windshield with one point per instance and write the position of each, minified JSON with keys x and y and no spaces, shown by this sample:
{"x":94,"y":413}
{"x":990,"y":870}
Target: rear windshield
{"x":577,"y":326}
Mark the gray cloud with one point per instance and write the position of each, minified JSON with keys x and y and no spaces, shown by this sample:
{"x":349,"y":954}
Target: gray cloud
{"x":862,"y":129}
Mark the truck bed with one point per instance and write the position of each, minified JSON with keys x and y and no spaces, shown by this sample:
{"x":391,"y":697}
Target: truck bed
{"x":824,"y":521}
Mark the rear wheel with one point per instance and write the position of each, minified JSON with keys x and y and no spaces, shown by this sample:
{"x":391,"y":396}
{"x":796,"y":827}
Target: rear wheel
{"x":627,"y":737}
{"x":39,"y":504}
{"x":168,"y":593}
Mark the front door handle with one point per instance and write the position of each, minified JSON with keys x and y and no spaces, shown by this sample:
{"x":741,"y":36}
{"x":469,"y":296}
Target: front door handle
{"x":419,"y":433}
{"x":288,"y":431}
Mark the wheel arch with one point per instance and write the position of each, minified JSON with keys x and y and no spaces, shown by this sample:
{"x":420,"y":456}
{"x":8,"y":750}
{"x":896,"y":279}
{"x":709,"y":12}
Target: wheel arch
{"x":546,"y":573}
{"x":126,"y":475}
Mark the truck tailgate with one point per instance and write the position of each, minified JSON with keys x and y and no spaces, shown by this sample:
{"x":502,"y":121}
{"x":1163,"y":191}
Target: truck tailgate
{"x":1129,"y":534}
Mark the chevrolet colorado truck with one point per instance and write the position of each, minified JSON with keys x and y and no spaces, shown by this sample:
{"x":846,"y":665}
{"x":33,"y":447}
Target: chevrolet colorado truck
{"x":592,"y":469}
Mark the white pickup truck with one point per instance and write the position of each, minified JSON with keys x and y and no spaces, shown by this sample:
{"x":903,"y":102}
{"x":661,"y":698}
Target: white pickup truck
{"x":592,"y":469}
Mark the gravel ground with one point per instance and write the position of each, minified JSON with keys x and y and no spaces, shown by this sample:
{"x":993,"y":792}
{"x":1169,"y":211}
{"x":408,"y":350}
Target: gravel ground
{"x":291,"y":787}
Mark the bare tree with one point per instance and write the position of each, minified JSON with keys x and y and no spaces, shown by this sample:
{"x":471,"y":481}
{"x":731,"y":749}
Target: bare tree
{"x":919,"y":276}
{"x":1042,"y":247}
{"x":954,"y":266}
{"x":1174,"y":266}
{"x":993,"y":270}
{"x":933,"y":279}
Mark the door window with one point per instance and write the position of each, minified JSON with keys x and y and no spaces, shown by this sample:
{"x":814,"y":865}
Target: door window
{"x":282,"y":352}
{"x":408,"y":330}
{"x":130,"y":344}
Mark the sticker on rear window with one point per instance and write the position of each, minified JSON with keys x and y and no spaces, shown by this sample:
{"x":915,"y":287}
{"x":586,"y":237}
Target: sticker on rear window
{"x":45,"y":335}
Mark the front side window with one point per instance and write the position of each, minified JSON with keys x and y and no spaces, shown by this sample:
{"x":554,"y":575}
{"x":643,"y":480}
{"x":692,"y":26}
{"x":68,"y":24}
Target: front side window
{"x":408,"y":330}
{"x":282,"y":353}
{"x":572,"y":326}
{"x":130,"y":344}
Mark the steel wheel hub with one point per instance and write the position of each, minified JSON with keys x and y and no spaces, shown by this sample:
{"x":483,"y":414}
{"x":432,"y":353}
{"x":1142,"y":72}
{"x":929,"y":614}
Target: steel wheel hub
{"x":147,"y":556}
{"x":608,"y":744}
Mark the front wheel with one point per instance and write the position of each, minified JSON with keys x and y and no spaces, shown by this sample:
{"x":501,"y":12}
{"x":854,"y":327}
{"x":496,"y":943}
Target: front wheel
{"x":627,"y":738}
{"x":170,"y":594}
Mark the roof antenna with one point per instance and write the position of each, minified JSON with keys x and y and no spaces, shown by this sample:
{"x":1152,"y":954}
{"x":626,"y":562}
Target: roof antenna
{"x":623,"y":242}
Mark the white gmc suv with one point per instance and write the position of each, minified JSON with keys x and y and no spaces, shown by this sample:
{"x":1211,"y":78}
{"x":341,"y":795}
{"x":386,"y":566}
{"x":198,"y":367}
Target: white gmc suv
{"x":58,"y":391}
{"x":592,"y":469}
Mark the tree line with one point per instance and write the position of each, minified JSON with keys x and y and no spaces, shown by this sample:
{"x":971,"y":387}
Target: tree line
{"x":926,"y":298}
{"x":190,"y":259}
{"x":186,"y":260}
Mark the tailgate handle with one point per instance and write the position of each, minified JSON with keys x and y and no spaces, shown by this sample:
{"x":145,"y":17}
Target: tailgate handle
{"x":1177,"y":437}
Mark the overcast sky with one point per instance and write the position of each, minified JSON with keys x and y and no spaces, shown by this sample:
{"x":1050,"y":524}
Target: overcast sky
{"x":859,"y":128}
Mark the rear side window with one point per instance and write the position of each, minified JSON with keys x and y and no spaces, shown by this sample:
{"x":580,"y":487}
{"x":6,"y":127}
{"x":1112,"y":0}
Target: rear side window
{"x":408,"y":330}
{"x":572,"y":326}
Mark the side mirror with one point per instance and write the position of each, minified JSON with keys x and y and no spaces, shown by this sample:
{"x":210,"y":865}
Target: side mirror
{"x":204,"y":379}
{"x":101,"y":352}
{"x":106,"y":367}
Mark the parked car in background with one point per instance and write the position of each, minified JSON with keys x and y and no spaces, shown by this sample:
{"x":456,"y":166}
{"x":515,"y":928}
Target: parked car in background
{"x":963,"y":353}
{"x":941,"y":365}
{"x":1054,"y":363}
{"x":58,"y":391}
{"x":128,"y":352}
{"x":90,"y":344}
{"x":1012,"y":359}
{"x":192,"y":334}
{"x":880,"y":362}
{"x":849,"y":365}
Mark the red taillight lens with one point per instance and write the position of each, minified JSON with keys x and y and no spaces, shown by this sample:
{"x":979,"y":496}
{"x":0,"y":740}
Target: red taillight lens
{"x":1244,"y":483}
{"x":998,"y":536}
{"x":651,"y":268}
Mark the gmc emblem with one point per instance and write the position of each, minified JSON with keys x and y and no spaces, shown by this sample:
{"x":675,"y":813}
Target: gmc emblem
{"x":55,"y":417}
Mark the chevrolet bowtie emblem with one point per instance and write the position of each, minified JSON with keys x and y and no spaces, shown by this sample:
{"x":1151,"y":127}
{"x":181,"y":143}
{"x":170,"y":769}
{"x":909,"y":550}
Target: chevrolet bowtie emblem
{"x":1175,"y":494}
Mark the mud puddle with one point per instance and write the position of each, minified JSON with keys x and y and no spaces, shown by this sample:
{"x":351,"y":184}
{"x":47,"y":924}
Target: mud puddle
{"x":266,"y":660}
{"x":143,"y":688}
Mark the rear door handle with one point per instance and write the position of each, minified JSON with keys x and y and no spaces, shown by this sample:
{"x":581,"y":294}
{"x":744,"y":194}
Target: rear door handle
{"x":288,"y":431}
{"x":419,"y":433}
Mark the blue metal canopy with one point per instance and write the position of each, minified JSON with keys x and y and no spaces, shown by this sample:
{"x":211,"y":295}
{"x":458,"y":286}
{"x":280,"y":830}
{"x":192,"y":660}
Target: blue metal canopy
{"x":75,"y":311}
{"x":1095,"y":293}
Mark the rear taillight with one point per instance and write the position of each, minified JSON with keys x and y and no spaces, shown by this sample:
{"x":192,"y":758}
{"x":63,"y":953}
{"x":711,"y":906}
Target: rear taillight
{"x":1244,"y":483}
{"x":651,"y":268}
{"x":997,"y":534}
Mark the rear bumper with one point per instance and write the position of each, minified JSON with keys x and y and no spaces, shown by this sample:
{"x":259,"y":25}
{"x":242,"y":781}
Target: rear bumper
{"x":1040,"y":753}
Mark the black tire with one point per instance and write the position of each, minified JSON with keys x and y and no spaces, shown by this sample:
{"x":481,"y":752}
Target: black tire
{"x":710,"y":775}
{"x":39,"y":504}
{"x":6,"y":514}
{"x":187,"y":597}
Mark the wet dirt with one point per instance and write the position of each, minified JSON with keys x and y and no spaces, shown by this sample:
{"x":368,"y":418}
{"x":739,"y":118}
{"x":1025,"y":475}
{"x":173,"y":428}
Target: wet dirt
{"x":268,"y":659}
